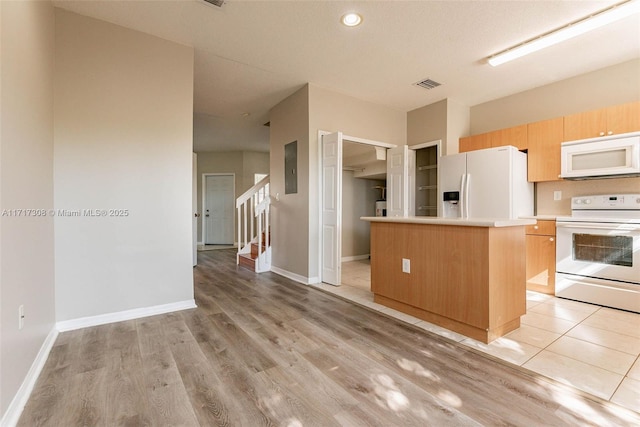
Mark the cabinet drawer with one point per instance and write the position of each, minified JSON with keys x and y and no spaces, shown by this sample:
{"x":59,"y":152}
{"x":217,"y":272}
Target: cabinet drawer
{"x":543,"y":227}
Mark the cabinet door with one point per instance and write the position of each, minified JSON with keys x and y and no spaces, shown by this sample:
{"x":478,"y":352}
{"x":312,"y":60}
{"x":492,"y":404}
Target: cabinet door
{"x":589,"y":124}
{"x":541,"y":264}
{"x":623,"y":118}
{"x":544,"y":139}
{"x":474,"y":142}
{"x":516,"y":136}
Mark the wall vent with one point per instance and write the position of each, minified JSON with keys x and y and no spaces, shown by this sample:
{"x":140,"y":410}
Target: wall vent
{"x":218,"y":3}
{"x":428,"y":84}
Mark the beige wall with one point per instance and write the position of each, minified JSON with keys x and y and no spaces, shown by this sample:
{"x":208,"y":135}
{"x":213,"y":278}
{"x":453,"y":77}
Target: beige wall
{"x":613,"y":85}
{"x":446,"y":120}
{"x":358,"y":200}
{"x":427,"y":123}
{"x":242,"y":164}
{"x":26,"y":182}
{"x":290,"y":214}
{"x":547,"y":206}
{"x":123,"y":140}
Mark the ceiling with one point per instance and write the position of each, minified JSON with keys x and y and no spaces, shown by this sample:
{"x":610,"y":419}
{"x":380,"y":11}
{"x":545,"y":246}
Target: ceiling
{"x":250,"y":55}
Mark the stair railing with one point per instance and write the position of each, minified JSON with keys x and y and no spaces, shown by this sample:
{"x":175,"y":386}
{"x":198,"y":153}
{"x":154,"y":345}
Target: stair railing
{"x":253,"y":209}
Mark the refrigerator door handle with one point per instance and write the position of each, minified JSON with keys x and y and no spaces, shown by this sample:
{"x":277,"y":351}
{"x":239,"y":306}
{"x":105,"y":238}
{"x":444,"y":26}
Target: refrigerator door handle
{"x":463,"y":179}
{"x":466,"y":196}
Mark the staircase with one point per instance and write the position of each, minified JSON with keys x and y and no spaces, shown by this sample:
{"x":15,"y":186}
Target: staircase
{"x":254,"y":238}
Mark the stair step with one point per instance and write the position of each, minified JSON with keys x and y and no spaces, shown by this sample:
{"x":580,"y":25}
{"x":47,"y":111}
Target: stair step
{"x":247,"y":261}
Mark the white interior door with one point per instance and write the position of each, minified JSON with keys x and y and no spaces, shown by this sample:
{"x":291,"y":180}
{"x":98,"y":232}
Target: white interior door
{"x":218,"y":209}
{"x":401,"y":165}
{"x":194,"y":208}
{"x":331,"y":208}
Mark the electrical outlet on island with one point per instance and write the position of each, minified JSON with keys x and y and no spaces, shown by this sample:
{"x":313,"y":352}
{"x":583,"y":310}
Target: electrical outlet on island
{"x":406,"y":265}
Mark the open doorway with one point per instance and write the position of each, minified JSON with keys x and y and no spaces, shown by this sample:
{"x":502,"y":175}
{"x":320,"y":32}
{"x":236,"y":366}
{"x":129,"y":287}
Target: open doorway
{"x":353,"y":172}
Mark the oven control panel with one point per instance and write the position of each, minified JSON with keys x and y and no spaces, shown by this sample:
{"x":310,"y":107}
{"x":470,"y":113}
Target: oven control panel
{"x":606,"y":202}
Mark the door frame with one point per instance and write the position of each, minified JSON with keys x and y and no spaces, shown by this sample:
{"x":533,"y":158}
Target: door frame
{"x":345,"y":137}
{"x":204,"y":200}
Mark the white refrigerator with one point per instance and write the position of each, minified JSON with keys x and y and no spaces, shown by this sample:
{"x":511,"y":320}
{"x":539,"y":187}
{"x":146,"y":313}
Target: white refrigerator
{"x":490,"y":183}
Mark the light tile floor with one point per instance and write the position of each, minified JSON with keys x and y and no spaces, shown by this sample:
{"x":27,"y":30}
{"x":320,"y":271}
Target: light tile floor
{"x":595,"y":349}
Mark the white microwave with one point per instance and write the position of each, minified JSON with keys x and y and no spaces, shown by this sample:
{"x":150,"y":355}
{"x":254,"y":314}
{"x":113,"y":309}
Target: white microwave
{"x":608,"y":157}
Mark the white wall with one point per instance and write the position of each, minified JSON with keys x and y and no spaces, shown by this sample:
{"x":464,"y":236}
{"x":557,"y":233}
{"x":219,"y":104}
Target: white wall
{"x":123,"y":140}
{"x":26,"y":182}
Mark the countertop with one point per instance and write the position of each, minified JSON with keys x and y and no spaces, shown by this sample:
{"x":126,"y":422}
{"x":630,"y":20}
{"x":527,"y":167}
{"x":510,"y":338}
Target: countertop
{"x":543,"y":217}
{"x":470,"y":222}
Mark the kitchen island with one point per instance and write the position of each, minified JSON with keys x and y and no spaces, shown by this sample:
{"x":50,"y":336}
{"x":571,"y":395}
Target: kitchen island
{"x":466,"y":275}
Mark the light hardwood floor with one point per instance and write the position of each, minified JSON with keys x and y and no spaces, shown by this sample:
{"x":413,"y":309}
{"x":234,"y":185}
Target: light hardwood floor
{"x":262,"y":350}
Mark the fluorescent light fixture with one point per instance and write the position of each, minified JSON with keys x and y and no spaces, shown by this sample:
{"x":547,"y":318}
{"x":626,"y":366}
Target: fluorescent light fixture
{"x":597,"y":20}
{"x":351,"y":19}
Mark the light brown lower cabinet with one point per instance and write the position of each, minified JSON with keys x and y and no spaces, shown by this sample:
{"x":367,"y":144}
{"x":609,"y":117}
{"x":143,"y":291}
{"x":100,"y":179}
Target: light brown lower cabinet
{"x":541,"y":257}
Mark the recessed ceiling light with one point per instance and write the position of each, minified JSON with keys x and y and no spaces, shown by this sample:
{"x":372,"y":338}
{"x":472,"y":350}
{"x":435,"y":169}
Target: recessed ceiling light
{"x":351,"y":19}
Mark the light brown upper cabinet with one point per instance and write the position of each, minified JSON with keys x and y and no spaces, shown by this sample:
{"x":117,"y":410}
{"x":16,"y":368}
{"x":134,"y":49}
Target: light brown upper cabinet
{"x":605,"y":121}
{"x":516,"y":136}
{"x":544,"y":139}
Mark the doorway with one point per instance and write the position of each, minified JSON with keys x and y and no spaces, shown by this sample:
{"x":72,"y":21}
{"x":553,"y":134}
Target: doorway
{"x":218,"y":197}
{"x":331,"y":206}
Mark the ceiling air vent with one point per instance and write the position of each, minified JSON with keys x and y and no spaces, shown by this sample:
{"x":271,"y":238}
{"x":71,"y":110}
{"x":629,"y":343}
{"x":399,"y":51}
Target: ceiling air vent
{"x":218,"y":3}
{"x":427,"y":84}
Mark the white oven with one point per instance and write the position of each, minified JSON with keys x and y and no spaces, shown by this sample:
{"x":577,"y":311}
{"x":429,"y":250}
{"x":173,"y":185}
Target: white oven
{"x":598,"y":251}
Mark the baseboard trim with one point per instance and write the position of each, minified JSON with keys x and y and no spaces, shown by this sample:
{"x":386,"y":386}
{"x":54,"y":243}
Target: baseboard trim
{"x":355,"y":258}
{"x":136,"y":313}
{"x":293,"y":276}
{"x":12,"y":415}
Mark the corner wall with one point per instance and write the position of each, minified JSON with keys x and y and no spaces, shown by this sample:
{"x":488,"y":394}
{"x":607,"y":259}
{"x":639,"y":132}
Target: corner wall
{"x":26,"y":182}
{"x":290,"y":213}
{"x":123,"y":141}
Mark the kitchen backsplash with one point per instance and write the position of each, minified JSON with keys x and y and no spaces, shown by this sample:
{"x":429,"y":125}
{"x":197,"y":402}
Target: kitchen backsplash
{"x":545,"y":205}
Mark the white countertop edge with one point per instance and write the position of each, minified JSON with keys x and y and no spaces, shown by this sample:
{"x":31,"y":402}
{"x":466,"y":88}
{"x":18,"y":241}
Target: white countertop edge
{"x":471,"y":222}
{"x":542,"y":217}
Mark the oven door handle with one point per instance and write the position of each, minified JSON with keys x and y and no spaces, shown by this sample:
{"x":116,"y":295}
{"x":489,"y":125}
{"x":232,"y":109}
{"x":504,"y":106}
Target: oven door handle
{"x":599,"y":226}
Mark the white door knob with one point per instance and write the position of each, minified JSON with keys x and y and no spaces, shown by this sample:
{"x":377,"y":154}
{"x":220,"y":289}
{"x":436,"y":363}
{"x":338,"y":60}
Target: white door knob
{"x":601,"y":133}
{"x":535,"y":227}
{"x":551,"y":239}
{"x":610,"y":133}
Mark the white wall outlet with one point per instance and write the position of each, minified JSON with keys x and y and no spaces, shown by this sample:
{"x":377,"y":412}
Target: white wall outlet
{"x":21,"y":317}
{"x":557,"y":195}
{"x":406,"y":265}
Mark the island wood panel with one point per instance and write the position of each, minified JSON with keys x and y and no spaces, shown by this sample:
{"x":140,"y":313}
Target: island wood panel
{"x":507,"y":281}
{"x":471,"y":276}
{"x":451,"y":258}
